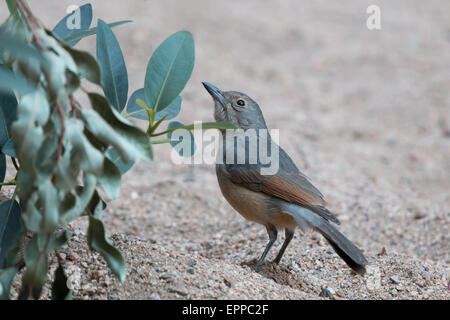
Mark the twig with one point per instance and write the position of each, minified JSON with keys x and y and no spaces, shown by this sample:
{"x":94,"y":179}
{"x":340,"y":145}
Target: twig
{"x":15,"y":163}
{"x":8,"y":183}
{"x":30,"y":20}
{"x":160,"y":141}
{"x":76,"y":107}
{"x":63,"y":128}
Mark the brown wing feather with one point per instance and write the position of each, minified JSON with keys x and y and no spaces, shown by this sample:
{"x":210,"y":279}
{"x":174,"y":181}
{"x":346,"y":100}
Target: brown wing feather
{"x":293,"y":187}
{"x":289,"y":190}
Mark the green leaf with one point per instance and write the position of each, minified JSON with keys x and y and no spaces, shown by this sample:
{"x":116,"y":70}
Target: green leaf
{"x":95,"y":199}
{"x":60,"y":291}
{"x":49,"y":200}
{"x":99,"y":241}
{"x":168,"y":70}
{"x":9,"y":81}
{"x":18,"y":49}
{"x":130,"y":142}
{"x":172,"y":110}
{"x":87,"y":65}
{"x":85,"y":33}
{"x":110,"y":179}
{"x":58,"y":66}
{"x":112,"y":64}
{"x":8,"y":113}
{"x":15,"y":25}
{"x":134,"y":110}
{"x":27,"y":131}
{"x":185,"y":144}
{"x":57,"y":241}
{"x":6,"y":280}
{"x":114,"y":156}
{"x":91,"y":159}
{"x":83,"y":198}
{"x":10,"y":214}
{"x":9,"y":148}
{"x":83,"y":17}
{"x":2,"y":167}
{"x":36,"y":261}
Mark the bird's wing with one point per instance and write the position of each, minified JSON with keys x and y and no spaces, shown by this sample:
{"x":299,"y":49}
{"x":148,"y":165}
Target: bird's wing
{"x":288,"y":184}
{"x":293,"y":188}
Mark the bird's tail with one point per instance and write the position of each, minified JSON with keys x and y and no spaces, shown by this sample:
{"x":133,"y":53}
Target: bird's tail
{"x":343,"y":247}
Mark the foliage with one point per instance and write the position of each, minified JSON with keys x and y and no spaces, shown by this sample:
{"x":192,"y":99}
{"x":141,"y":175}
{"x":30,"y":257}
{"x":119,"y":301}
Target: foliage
{"x":62,"y":151}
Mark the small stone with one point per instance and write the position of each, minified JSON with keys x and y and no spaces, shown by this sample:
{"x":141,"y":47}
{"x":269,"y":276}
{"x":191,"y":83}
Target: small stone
{"x":395,"y":279}
{"x":73,"y":256}
{"x":169,"y":276}
{"x":166,"y":276}
{"x":134,"y":195}
{"x":155,"y":296}
{"x":190,"y":270}
{"x":227,"y":282}
{"x":327,"y":293}
{"x":191,"y":263}
{"x":330,"y":251}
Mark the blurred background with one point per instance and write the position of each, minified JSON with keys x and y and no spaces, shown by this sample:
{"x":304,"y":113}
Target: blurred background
{"x":365,"y":114}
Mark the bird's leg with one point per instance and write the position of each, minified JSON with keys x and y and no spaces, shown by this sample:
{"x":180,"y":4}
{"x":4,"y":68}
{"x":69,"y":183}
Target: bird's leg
{"x":272,"y":231}
{"x":289,"y":234}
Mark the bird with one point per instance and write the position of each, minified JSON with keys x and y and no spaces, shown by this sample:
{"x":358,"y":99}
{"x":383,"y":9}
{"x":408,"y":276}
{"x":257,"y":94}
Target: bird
{"x":285,"y":199}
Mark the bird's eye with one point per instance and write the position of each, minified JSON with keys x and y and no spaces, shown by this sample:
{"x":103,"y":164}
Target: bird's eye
{"x":240,"y":102}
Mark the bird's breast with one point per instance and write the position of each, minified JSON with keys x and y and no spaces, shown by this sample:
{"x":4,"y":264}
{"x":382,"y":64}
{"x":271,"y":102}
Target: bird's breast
{"x":254,"y":206}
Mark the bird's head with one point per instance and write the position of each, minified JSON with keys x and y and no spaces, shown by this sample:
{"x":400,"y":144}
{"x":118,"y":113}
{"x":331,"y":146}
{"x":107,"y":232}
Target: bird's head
{"x":236,"y":107}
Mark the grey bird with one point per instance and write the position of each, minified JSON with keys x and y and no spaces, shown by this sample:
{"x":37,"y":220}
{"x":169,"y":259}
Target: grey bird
{"x":283,"y":200}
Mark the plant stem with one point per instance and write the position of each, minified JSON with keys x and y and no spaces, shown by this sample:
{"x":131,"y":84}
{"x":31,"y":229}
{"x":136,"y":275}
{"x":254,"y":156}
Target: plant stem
{"x":15,"y":163}
{"x":31,"y":21}
{"x":160,"y":141}
{"x":63,"y":129}
{"x":8,"y":183}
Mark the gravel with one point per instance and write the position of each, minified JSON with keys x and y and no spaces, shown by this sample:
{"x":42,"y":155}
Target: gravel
{"x":391,"y":276}
{"x":364,"y":114}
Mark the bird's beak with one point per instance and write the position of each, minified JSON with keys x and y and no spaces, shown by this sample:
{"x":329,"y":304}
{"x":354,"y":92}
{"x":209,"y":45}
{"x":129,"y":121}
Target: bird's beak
{"x":215,"y":93}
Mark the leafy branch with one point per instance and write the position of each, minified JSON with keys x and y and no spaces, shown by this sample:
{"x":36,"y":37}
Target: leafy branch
{"x":64,"y":152}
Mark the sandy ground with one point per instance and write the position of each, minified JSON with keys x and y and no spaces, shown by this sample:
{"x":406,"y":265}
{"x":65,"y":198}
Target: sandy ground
{"x":365,"y":115}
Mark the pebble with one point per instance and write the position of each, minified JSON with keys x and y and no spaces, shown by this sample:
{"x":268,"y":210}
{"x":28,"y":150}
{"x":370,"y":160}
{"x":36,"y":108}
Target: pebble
{"x":169,"y":276}
{"x":155,"y":296}
{"x":166,"y":276}
{"x":327,"y":292}
{"x":73,"y":256}
{"x":191,"y":263}
{"x":395,"y":279}
{"x":191,"y":271}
